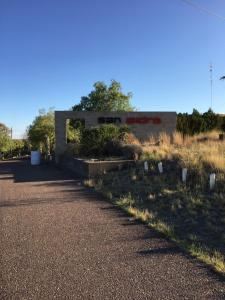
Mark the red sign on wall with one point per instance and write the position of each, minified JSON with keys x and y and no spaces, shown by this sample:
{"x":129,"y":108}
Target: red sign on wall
{"x":143,"y":120}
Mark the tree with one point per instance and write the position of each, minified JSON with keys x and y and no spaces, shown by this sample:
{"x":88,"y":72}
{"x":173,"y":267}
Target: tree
{"x":183,"y":123}
{"x":197,"y":123}
{"x":210,"y":119}
{"x":19,"y":147}
{"x":5,"y":141}
{"x":42,"y":131}
{"x":223,"y":124}
{"x":4,"y":129}
{"x":73,"y":131}
{"x":190,"y":124}
{"x":105,"y":98}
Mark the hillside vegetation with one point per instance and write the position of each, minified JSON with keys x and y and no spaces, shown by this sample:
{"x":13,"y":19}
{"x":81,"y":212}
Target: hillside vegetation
{"x":189,"y":213}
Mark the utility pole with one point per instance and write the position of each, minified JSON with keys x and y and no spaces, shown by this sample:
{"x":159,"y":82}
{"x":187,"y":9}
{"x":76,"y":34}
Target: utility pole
{"x":211,"y":82}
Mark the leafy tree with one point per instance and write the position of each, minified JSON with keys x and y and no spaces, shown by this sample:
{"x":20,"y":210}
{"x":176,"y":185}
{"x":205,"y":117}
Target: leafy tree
{"x":73,"y":131}
{"x":5,"y":141}
{"x":41,"y":132}
{"x":105,"y":98}
{"x":20,"y":147}
{"x":4,"y":129}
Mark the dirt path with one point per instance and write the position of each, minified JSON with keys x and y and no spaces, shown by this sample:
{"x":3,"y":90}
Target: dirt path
{"x":60,"y":241}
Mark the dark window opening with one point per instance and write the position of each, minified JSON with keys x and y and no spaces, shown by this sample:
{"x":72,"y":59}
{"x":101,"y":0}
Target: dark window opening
{"x":109,"y":120}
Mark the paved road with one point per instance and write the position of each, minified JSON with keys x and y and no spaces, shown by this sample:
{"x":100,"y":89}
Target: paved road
{"x":60,"y":241}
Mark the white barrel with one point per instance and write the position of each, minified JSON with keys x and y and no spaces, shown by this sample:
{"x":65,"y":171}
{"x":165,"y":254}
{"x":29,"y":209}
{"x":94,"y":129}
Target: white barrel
{"x":160,"y":167}
{"x":184,"y":174}
{"x":35,"y":158}
{"x":212,"y":181}
{"x":146,"y":166}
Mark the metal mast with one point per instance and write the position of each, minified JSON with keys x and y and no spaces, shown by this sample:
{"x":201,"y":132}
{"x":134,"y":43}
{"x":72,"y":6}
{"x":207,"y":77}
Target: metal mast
{"x":211,"y":82}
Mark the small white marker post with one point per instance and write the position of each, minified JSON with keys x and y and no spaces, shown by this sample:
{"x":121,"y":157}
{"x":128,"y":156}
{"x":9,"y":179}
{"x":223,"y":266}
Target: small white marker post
{"x":146,"y":166}
{"x":160,"y":167}
{"x":184,"y":175}
{"x":212,"y":181}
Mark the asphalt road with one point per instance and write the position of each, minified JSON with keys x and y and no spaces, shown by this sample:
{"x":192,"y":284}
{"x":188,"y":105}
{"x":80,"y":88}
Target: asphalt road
{"x":59,"y":240}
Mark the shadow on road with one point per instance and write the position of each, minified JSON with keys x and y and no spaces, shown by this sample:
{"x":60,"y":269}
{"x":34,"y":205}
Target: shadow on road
{"x":23,"y":171}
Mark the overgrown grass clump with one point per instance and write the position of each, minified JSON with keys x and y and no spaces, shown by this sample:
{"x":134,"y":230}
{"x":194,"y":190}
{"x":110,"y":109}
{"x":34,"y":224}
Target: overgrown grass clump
{"x":189,"y":214}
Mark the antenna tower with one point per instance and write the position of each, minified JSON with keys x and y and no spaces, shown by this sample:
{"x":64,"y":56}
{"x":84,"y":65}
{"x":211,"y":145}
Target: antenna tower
{"x":211,"y":82}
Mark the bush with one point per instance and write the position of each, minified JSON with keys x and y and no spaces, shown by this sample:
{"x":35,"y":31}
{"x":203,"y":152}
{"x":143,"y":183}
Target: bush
{"x":119,"y":148}
{"x":72,"y":149}
{"x":94,"y":140}
{"x":107,"y":140}
{"x":113,"y":148}
{"x":132,"y":151}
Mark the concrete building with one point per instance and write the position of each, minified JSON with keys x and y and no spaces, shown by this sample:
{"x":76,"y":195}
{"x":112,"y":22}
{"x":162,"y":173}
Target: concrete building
{"x":143,"y":124}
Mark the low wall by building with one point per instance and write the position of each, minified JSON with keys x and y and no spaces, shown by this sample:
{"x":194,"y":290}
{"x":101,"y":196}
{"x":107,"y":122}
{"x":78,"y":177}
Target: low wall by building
{"x":87,"y":169}
{"x":142,"y":124}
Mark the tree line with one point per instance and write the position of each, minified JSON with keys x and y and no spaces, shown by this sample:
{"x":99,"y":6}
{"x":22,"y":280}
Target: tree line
{"x":196,"y":122}
{"x":11,"y":147}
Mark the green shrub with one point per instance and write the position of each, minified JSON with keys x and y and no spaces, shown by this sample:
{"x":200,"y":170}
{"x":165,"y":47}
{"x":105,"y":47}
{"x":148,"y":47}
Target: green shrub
{"x":94,"y":140}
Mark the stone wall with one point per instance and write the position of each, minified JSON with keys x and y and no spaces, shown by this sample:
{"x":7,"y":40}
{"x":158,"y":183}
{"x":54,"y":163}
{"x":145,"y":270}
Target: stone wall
{"x":142,"y":124}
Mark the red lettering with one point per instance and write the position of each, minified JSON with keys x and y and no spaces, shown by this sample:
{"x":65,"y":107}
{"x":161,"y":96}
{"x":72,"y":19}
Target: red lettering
{"x":143,"y":120}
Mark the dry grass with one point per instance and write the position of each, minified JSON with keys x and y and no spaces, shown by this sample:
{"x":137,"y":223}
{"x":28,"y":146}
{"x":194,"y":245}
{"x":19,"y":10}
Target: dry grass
{"x":129,"y":138}
{"x":188,"y":214}
{"x":192,"y":151}
{"x":209,"y":153}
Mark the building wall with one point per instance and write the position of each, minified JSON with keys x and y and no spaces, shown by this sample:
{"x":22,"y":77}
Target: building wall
{"x":142,"y":124}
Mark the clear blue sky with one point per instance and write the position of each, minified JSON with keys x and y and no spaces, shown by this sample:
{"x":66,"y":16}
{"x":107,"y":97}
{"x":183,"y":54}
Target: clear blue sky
{"x":51,"y":53}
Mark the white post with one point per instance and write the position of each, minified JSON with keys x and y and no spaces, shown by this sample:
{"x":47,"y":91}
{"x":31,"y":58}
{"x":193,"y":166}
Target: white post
{"x":184,"y":174}
{"x":212,"y":181}
{"x":160,"y":167}
{"x":146,"y":166}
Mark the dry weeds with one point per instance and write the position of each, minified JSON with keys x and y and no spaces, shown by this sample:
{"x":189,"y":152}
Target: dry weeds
{"x":189,"y":214}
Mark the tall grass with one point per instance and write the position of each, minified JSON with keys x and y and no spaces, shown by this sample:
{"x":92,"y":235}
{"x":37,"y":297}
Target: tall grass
{"x":188,"y":214}
{"x":204,"y":149}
